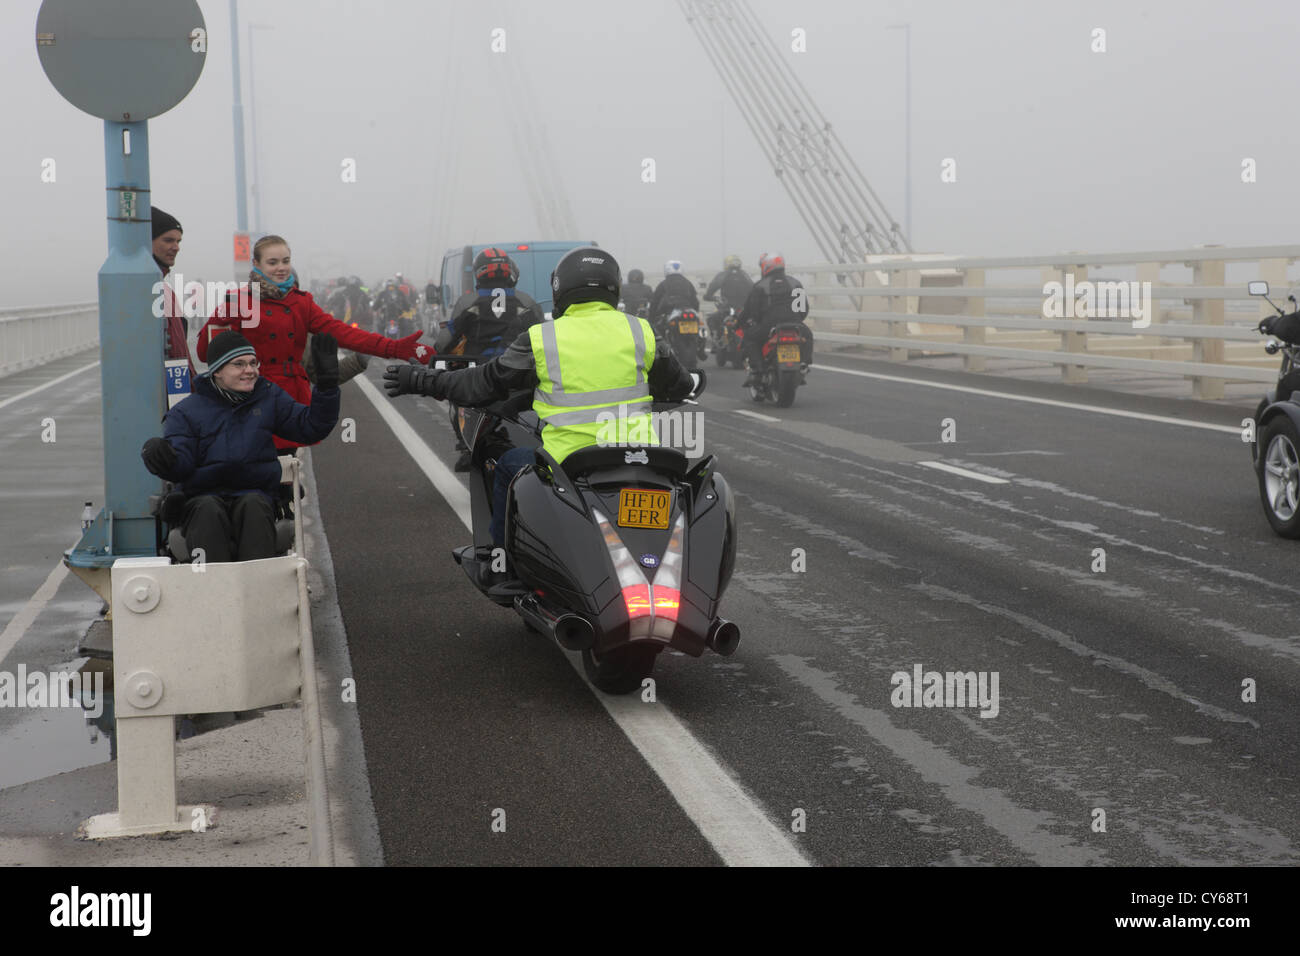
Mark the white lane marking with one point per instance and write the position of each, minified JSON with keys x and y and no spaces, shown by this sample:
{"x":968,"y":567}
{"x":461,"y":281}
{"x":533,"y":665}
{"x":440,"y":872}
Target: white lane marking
{"x":21,"y":621}
{"x":54,"y":381}
{"x":1119,"y":413}
{"x":735,"y":825}
{"x":761,"y":418}
{"x":442,"y":477}
{"x":953,"y":469}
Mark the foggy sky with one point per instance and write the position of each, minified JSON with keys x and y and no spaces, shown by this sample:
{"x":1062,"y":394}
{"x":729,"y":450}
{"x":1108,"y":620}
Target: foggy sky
{"x":1056,"y":147}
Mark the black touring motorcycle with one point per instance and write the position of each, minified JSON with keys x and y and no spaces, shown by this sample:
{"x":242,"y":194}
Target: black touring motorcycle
{"x":619,"y":553}
{"x":1276,"y":449}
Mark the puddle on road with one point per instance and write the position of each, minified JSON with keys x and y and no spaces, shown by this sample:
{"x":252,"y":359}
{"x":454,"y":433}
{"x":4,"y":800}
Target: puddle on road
{"x":56,"y":739}
{"x":49,"y":740}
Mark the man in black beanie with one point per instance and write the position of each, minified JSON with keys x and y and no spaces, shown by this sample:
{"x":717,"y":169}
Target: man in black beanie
{"x":166,"y":246}
{"x":217,"y":446}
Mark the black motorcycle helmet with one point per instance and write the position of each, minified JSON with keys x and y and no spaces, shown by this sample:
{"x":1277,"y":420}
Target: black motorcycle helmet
{"x":636,"y":275}
{"x":586,"y":274}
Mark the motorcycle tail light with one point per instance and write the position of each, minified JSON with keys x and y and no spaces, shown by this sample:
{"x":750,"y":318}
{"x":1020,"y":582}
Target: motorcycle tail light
{"x":651,"y":608}
{"x":637,"y":600}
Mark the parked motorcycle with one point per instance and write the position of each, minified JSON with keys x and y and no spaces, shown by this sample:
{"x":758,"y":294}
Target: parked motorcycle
{"x":1276,"y":449}
{"x":785,"y":364}
{"x":620,"y":552}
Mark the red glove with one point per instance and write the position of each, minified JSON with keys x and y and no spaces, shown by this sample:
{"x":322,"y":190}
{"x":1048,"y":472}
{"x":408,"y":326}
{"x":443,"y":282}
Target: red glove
{"x":410,"y":348}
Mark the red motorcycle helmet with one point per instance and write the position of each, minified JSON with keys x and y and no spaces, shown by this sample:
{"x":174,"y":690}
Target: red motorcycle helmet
{"x":493,"y":266}
{"x":770,"y":263}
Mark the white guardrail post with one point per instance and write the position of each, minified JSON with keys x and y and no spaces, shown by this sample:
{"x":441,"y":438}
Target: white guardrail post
{"x":207,"y":638}
{"x":974,"y":334}
{"x":1207,"y":312}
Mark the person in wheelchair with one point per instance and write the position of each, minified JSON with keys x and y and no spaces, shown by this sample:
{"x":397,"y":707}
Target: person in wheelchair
{"x":217,"y":447}
{"x":591,"y":362}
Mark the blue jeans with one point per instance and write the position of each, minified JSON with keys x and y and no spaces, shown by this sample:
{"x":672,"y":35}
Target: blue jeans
{"x":508,"y":465}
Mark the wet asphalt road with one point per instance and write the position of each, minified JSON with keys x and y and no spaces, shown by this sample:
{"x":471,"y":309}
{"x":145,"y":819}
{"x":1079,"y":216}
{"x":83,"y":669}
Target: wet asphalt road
{"x":1118,"y":734}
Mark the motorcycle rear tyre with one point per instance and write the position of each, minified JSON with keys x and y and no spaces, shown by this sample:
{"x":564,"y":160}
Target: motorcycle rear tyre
{"x":785,"y":389}
{"x":621,"y":671}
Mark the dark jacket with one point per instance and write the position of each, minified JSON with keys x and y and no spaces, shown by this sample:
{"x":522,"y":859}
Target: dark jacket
{"x":675,"y":292}
{"x":517,"y":370}
{"x":771,"y":302}
{"x":635,"y":295}
{"x":485,"y":332}
{"x":734,"y":285}
{"x":225,"y":449}
{"x":175,"y":343}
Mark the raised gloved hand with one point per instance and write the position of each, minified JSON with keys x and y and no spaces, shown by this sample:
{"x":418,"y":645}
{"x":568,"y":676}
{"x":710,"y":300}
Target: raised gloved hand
{"x":410,"y":348}
{"x":159,"y":457}
{"x":325,"y":360}
{"x":413,"y":380}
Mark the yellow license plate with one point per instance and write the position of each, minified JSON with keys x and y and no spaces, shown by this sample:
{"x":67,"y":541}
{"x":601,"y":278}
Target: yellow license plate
{"x":688,"y":328}
{"x":643,"y":508}
{"x":787,"y":353}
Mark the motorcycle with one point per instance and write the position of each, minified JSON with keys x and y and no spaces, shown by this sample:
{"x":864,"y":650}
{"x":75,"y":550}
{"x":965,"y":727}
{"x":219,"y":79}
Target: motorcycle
{"x":1275,"y":452}
{"x":728,"y":341}
{"x":394,"y":323}
{"x":682,"y":330}
{"x":619,"y":552}
{"x":785,"y":364}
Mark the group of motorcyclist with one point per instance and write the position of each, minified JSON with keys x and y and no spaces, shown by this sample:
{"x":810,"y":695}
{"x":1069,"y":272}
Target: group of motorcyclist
{"x":395,"y":302}
{"x":774,"y":299}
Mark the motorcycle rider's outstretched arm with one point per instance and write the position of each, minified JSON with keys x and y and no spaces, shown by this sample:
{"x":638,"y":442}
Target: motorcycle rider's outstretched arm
{"x":481,"y":385}
{"x":484,"y":384}
{"x":668,"y":380}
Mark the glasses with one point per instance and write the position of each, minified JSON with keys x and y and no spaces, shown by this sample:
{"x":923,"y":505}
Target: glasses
{"x":254,"y":364}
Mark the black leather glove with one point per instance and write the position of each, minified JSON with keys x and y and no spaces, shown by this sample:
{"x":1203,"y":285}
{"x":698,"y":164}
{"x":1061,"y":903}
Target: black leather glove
{"x":413,"y":380}
{"x":159,"y":457}
{"x":325,"y":360}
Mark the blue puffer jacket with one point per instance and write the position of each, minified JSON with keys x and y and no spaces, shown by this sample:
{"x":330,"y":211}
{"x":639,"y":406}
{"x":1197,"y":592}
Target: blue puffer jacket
{"x":224,"y":449}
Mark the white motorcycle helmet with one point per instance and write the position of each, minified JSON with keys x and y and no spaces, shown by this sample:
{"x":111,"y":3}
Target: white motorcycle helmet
{"x":672,"y":267}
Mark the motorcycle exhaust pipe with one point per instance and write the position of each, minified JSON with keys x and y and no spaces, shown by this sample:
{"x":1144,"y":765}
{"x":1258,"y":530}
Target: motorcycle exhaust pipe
{"x":573,"y":632}
{"x":723,"y":637}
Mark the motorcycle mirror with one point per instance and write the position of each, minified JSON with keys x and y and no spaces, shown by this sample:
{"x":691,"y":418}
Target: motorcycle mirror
{"x":1258,"y":287}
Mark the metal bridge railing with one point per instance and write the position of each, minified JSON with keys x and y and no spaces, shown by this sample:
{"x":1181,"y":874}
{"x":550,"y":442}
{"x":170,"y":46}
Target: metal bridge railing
{"x":33,"y":335}
{"x":925,"y":305}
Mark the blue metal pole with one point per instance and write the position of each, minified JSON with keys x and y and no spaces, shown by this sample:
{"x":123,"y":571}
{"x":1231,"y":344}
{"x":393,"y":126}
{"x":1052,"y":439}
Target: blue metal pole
{"x":241,"y":188}
{"x":131,"y":356}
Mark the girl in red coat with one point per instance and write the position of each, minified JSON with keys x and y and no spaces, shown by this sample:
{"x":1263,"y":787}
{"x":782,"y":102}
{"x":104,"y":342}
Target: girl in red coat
{"x":284,"y":317}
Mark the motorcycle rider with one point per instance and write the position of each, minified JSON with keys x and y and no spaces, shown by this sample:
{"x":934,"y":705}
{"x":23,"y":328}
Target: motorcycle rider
{"x":486,"y":320}
{"x":674,"y":292}
{"x":575,"y":365}
{"x":734,"y":285}
{"x":772,"y":301}
{"x":490,"y":317}
{"x":348,"y":303}
{"x":635,"y":292}
{"x":391,"y":303}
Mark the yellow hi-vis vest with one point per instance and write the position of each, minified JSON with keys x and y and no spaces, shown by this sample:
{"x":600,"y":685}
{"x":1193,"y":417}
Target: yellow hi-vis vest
{"x":591,"y":379}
